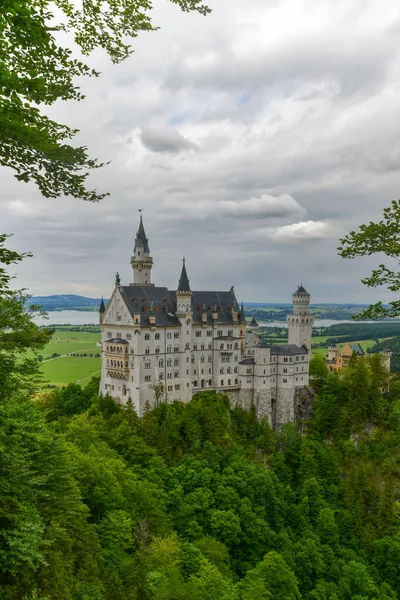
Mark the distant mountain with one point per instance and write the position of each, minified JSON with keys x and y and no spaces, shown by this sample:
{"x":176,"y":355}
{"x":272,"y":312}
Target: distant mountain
{"x":66,"y":302}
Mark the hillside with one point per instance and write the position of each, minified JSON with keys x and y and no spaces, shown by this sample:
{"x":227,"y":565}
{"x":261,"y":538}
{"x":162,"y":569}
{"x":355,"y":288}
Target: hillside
{"x":65,"y":302}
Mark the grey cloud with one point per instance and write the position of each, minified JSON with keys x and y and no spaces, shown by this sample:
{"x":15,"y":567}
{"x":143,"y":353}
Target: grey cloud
{"x":165,"y":139}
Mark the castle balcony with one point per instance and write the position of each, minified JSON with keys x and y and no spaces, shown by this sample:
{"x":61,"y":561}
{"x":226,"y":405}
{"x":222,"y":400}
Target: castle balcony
{"x":117,"y":373}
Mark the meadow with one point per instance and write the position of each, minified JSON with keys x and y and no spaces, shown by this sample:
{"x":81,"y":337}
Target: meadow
{"x":66,"y":369}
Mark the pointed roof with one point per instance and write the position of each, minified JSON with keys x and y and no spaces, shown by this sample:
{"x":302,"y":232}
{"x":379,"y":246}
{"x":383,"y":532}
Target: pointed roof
{"x":183,"y":285}
{"x":102,"y":306}
{"x":301,"y":290}
{"x":141,"y":239}
{"x":242,"y":318}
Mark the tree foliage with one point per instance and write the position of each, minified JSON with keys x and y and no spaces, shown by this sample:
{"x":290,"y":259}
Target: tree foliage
{"x":378,"y":238}
{"x":36,"y":70}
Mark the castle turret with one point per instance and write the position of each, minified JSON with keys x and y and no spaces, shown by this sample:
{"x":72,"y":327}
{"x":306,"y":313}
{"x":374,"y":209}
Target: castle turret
{"x":332,"y":353}
{"x":141,"y":260}
{"x":301,"y":321}
{"x":183,"y":293}
{"x":102,"y":310}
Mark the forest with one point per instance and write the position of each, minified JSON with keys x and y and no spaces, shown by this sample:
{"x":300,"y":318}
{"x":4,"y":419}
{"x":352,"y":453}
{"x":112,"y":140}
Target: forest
{"x":202,"y":500}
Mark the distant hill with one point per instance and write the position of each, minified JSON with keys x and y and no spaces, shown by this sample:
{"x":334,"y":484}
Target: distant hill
{"x":66,"y":302}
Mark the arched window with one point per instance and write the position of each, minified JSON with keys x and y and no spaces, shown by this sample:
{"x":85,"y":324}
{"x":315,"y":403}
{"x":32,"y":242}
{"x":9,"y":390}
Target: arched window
{"x":229,"y":370}
{"x":203,"y":359}
{"x":187,"y":345}
{"x":147,"y":365}
{"x":192,"y":359}
{"x":210,"y":359}
{"x":229,"y":382}
{"x":221,"y":347}
{"x":161,"y":376}
{"x":236,"y":346}
{"x":169,"y":362}
{"x":147,"y":351}
{"x":157,"y":336}
{"x":157,"y":350}
{"x":169,"y":349}
{"x":176,"y":374}
{"x":176,"y":362}
{"x":221,"y":370}
{"x":161,"y":363}
{"x":236,"y":381}
{"x":176,"y":348}
{"x":147,"y":336}
{"x":222,"y":382}
{"x":195,"y":384}
{"x":210,"y":382}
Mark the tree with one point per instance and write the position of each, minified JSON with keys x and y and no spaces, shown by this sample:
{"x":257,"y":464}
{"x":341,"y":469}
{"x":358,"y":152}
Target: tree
{"x":35,"y":70}
{"x":18,"y":332}
{"x":271,"y":578}
{"x":159,"y":391}
{"x":374,"y":238}
{"x":318,"y":371}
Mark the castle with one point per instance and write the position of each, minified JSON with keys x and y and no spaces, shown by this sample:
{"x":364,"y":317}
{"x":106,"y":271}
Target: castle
{"x":163,"y":345}
{"x":337,"y":360}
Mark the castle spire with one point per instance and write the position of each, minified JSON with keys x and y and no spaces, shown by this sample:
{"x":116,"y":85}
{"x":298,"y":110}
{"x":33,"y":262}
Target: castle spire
{"x":102,"y":308}
{"x":183,"y":285}
{"x":141,"y":239}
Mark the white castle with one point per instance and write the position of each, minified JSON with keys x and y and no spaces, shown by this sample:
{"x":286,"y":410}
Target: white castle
{"x":167,"y":345}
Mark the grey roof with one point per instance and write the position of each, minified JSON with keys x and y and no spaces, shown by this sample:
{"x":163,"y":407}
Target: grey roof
{"x":253,"y":323}
{"x":102,"y":306}
{"x":288,"y":349}
{"x":164,"y":302}
{"x":357,"y":349}
{"x":141,"y":239}
{"x":183,"y":285}
{"x":118,"y":340}
{"x":247,"y":361}
{"x":301,"y":290}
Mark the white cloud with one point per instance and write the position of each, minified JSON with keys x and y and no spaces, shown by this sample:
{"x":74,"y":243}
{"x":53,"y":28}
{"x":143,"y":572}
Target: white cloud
{"x":303,"y":231}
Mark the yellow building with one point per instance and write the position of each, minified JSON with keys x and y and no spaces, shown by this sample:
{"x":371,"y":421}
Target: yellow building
{"x":339,"y":360}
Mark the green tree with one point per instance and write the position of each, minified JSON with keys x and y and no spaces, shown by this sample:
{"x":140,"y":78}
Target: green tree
{"x":271,"y":578}
{"x":318,"y":372}
{"x":378,"y":238}
{"x":36,"y":70}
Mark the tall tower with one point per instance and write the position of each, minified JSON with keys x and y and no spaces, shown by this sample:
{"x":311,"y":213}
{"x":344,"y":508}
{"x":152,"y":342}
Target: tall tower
{"x":301,"y":321}
{"x":141,"y":260}
{"x":184,"y":294}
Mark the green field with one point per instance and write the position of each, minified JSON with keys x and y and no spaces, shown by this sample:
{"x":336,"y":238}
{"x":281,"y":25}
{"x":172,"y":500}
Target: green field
{"x":66,"y":369}
{"x":61,"y":371}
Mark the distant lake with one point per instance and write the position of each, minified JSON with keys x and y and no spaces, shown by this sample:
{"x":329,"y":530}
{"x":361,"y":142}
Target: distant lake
{"x":78,"y":317}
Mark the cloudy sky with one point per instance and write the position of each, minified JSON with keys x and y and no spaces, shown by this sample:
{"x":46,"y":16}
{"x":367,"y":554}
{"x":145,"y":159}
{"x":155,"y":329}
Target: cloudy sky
{"x":252,"y":138}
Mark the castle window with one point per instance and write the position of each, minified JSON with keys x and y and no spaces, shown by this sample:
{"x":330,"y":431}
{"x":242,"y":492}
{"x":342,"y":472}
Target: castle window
{"x":290,"y":359}
{"x":118,"y":335}
{"x":157,"y":350}
{"x":169,"y":375}
{"x":169,"y":362}
{"x":176,"y":348}
{"x":210,"y":359}
{"x":222,"y":382}
{"x":187,"y":372}
{"x":209,"y":370}
{"x":194,"y":371}
{"x":170,"y":388}
{"x":118,"y":317}
{"x":264,"y":382}
{"x":235,"y":370}
{"x":236,"y":381}
{"x":285,"y":370}
{"x":195,"y":383}
{"x":194,"y":346}
{"x":169,"y":349}
{"x":219,"y":333}
{"x":229,"y":370}
{"x":161,"y":363}
{"x":264,"y":371}
{"x":236,"y":346}
{"x":236,"y":357}
{"x":177,"y":387}
{"x":128,"y":336}
{"x":302,"y":379}
{"x":248,"y":371}
{"x":147,"y":377}
{"x":169,"y":335}
{"x":221,"y":347}
{"x":285,"y":359}
{"x":209,"y":346}
{"x":192,"y":360}
{"x":176,"y":375}
{"x":229,"y":382}
{"x":109,"y":334}
{"x":146,"y":336}
{"x":176,"y":335}
{"x":176,"y":361}
{"x":209,"y":333}
{"x":284,"y":380}
{"x":249,"y":381}
{"x":302,"y":358}
{"x":147,"y":365}
{"x":202,"y":347}
{"x":198,"y":333}
{"x":203,"y":358}
{"x":297,"y":378}
{"x":221,"y":370}
{"x":187,"y":346}
{"x":202,"y":371}
{"x":297,"y":369}
{"x":297,"y":358}
{"x":147,"y":351}
{"x":157,"y":336}
{"x":230,"y":332}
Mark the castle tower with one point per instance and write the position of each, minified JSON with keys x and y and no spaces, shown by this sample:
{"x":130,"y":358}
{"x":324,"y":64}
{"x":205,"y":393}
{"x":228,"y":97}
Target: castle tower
{"x":141,"y":260}
{"x":184,"y":294}
{"x":185,"y":314}
{"x":332,"y":353}
{"x":301,"y":321}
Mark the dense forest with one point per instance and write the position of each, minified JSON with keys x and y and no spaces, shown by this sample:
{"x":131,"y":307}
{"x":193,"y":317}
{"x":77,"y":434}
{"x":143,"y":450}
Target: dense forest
{"x":202,"y":500}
